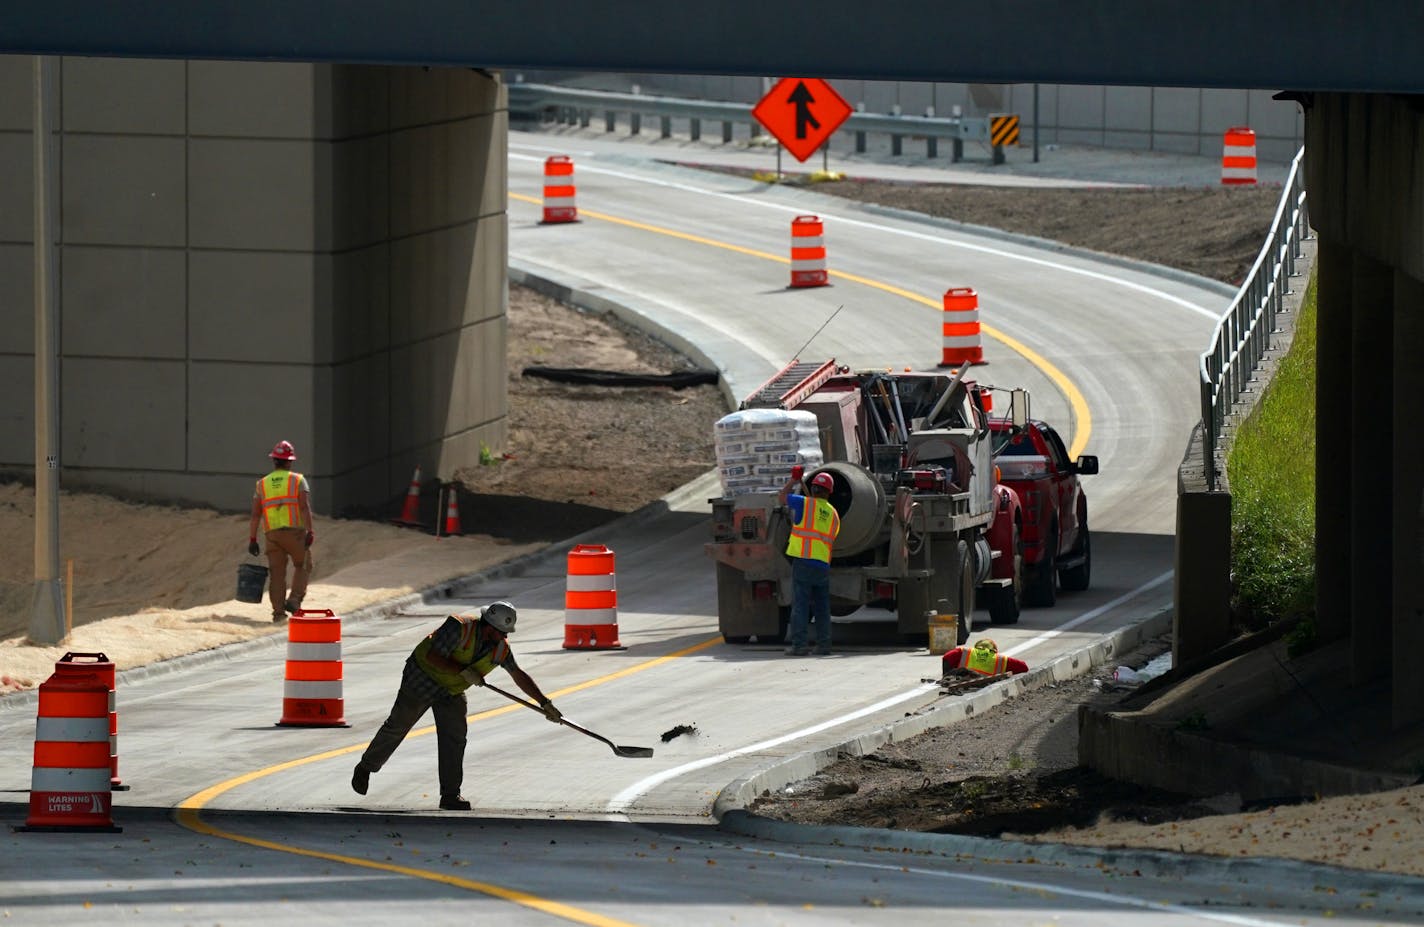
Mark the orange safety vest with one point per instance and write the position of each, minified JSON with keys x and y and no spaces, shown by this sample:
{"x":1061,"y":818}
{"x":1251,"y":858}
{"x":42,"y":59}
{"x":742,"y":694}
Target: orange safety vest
{"x":812,"y":536}
{"x":281,"y":497}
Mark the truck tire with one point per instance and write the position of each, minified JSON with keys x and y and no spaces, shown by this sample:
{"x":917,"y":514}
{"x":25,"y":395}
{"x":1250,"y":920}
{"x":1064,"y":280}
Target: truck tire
{"x":1076,"y":578}
{"x":1006,"y":602}
{"x":1042,"y":586}
{"x":966,"y":587}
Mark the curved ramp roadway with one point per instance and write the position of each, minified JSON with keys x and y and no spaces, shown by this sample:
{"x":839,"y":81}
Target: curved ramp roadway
{"x":1101,"y":346}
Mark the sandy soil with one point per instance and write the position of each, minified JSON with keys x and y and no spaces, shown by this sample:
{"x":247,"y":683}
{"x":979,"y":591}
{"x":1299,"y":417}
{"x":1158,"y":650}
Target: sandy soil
{"x":153,"y":582}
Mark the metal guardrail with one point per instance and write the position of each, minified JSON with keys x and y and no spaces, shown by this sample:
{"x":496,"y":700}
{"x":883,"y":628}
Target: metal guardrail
{"x":572,"y":106}
{"x":1243,"y":334}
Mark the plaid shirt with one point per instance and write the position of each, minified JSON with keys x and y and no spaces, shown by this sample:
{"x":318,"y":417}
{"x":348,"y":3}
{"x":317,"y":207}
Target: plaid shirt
{"x":416,"y":681}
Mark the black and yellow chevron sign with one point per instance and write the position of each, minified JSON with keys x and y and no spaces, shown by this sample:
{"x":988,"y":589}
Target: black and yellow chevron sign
{"x":1003,"y":130}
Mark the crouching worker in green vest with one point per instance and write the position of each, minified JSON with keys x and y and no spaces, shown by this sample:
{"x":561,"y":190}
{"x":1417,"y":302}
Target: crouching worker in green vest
{"x":458,"y":655}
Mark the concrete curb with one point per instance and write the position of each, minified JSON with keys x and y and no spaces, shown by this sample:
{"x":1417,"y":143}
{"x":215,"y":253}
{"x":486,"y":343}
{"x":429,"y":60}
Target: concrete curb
{"x":1279,"y":873}
{"x":741,"y":792}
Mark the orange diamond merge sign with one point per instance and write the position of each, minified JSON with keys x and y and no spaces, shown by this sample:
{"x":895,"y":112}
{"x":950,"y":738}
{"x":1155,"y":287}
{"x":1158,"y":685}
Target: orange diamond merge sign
{"x":802,"y":112}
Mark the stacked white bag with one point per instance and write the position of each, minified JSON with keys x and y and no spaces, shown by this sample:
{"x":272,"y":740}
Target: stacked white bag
{"x":757,"y":448}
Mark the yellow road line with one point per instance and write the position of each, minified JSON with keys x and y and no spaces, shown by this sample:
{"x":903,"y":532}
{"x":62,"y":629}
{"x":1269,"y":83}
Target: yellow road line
{"x":189,"y":811}
{"x":1082,"y":417}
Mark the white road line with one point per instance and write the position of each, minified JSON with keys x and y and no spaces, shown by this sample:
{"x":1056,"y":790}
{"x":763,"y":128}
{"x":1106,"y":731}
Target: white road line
{"x":1089,"y":616}
{"x":622,"y":801}
{"x":1214,"y":315}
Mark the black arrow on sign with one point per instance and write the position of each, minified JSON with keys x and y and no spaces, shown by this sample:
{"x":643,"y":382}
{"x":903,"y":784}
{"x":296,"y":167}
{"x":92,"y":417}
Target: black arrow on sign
{"x":803,"y":100}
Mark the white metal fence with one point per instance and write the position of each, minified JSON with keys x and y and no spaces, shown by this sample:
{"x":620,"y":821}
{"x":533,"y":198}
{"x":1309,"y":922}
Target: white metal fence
{"x":1243,"y":333}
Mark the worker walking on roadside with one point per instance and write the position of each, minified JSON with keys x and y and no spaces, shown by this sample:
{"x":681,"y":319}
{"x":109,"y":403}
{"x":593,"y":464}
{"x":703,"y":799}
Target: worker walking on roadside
{"x":814,"y":526}
{"x":983,"y":658}
{"x":456,"y":656}
{"x":282,"y":505}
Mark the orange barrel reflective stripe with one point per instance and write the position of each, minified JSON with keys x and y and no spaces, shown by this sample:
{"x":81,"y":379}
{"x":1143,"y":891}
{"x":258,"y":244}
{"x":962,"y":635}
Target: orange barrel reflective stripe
{"x":70,"y":779}
{"x":559,"y":190}
{"x":1238,"y":156}
{"x":591,"y":600}
{"x":960,"y":328}
{"x":311,"y":694}
{"x":808,"y":252}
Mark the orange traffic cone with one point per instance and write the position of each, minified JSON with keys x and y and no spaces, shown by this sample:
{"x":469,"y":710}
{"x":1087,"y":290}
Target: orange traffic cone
{"x":452,"y":513}
{"x":410,"y":512}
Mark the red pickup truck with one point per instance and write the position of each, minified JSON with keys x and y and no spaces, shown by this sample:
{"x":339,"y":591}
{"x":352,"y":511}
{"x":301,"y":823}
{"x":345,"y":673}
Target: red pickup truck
{"x":1057,"y":548}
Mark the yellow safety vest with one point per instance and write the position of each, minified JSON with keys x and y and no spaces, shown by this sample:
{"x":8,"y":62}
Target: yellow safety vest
{"x":464,"y":654}
{"x":281,"y":499}
{"x":985,"y":662}
{"x":811,"y":537}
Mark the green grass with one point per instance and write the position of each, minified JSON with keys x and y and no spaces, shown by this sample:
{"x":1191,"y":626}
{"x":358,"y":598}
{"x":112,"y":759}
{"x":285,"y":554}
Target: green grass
{"x":1271,"y":469}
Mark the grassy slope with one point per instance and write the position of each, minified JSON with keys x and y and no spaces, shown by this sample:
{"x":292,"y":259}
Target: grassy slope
{"x":1271,"y":469}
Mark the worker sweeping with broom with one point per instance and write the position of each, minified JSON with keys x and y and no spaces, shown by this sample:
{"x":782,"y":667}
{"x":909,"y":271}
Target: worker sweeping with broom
{"x":456,"y":656}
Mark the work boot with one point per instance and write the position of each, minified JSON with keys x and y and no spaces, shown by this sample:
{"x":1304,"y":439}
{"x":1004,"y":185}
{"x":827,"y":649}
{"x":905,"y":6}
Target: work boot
{"x":360,"y":779}
{"x":292,"y":606}
{"x":823,"y":650}
{"x":279,"y":616}
{"x":454,"y":803}
{"x":797,"y":651}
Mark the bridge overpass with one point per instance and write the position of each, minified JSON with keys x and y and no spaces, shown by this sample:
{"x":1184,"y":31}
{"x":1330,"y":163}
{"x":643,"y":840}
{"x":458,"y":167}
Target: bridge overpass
{"x":417,"y":286}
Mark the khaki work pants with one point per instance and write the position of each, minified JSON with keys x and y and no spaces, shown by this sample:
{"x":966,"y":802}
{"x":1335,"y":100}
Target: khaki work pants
{"x":282,"y":545}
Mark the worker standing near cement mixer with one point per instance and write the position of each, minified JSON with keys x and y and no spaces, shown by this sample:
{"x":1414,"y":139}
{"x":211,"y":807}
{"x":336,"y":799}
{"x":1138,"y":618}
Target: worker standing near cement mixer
{"x":814,"y":526}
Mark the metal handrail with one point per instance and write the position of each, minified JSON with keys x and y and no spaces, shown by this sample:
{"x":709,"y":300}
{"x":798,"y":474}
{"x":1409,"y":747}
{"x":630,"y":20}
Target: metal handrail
{"x":527,"y":97}
{"x":1243,"y":334}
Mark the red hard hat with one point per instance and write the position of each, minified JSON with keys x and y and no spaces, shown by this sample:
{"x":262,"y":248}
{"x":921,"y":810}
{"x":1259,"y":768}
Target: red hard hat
{"x":824,"y":481}
{"x":283,"y":451}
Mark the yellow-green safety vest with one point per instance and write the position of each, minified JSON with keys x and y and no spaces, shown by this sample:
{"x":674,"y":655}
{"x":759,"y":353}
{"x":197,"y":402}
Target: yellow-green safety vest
{"x":811,"y":537}
{"x":985,"y":662}
{"x":463,"y":654}
{"x":281,"y":499}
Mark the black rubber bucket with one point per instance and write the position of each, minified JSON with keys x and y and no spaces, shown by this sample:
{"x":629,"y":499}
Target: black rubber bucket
{"x":251,"y":581}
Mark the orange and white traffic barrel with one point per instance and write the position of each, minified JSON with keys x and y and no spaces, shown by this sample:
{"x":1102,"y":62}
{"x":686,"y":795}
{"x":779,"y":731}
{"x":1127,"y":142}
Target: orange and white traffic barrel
{"x":1238,"y":156}
{"x":106,"y":672}
{"x":69,"y":783}
{"x":311,"y":694}
{"x":559,"y":190}
{"x":959,"y":330}
{"x":808,"y":252}
{"x":591,"y":600}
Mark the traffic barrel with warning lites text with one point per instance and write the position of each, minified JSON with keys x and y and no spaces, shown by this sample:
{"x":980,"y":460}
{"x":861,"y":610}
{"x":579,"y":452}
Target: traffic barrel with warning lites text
{"x":311,"y":693}
{"x":70,"y":779}
{"x":591,"y":600}
{"x":559,"y":190}
{"x":808,"y":252}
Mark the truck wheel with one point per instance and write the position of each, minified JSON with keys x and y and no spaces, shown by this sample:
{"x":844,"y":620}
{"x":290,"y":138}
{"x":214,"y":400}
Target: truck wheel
{"x":737,"y":638}
{"x":1005,"y":603}
{"x":966,"y":595}
{"x":1076,"y":579}
{"x":1042,"y":586}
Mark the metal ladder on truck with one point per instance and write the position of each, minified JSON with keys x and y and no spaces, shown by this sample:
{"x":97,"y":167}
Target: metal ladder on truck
{"x":790,"y":385}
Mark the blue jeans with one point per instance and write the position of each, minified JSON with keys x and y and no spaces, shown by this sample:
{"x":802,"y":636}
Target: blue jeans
{"x":810,"y":597}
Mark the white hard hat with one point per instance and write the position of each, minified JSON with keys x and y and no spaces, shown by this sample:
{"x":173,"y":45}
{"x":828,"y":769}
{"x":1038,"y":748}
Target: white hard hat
{"x":500,"y":616}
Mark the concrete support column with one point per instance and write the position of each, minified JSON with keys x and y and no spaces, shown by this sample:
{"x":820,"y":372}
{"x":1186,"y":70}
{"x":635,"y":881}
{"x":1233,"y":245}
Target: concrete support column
{"x":1202,"y":575}
{"x":1408,"y":512}
{"x":1371,"y":420}
{"x":1333,"y":276}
